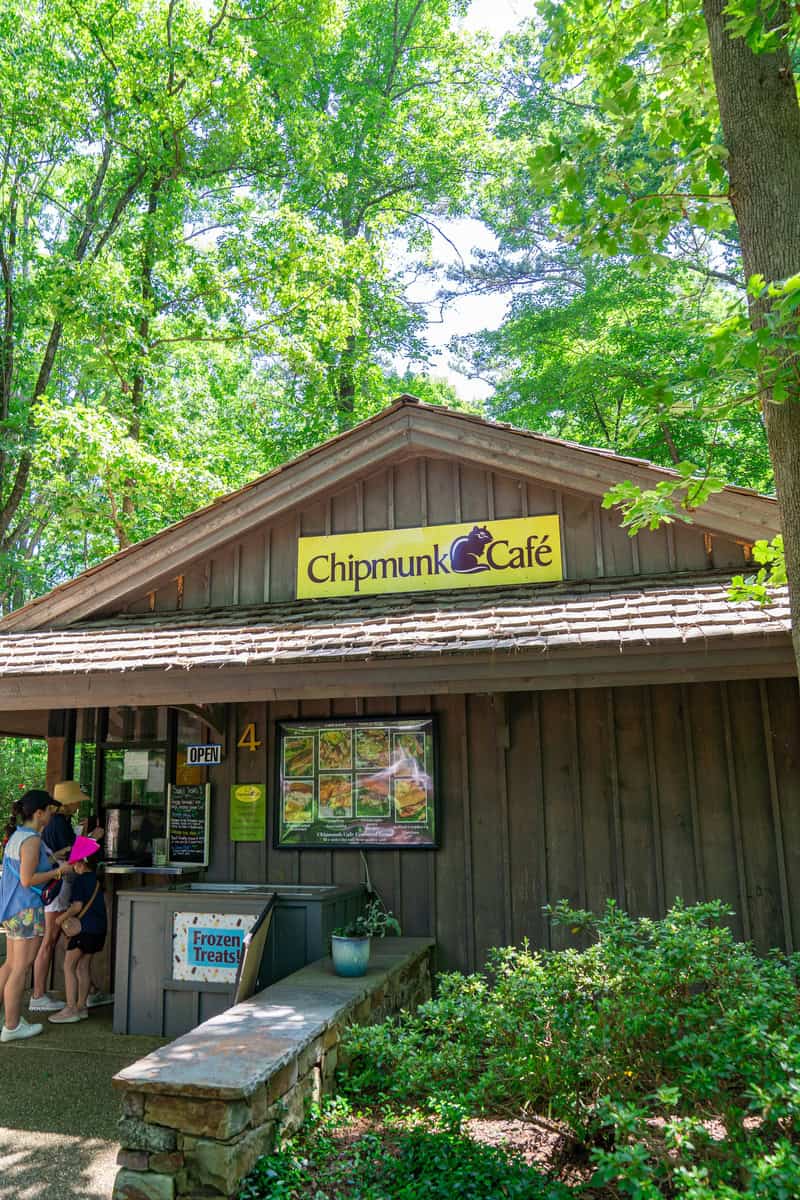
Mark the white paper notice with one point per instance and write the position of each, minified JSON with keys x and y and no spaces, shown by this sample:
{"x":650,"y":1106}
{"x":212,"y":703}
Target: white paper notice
{"x":135,"y":764}
{"x":155,"y":777}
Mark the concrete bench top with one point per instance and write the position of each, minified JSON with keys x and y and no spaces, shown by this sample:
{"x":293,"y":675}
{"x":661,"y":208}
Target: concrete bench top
{"x":233,"y":1054}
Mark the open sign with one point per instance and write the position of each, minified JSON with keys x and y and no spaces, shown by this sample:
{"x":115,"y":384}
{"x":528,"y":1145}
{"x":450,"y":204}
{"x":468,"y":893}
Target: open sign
{"x":203,"y":756}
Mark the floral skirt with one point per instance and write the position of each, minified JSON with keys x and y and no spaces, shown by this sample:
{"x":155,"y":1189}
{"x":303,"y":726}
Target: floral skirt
{"x":27,"y":923}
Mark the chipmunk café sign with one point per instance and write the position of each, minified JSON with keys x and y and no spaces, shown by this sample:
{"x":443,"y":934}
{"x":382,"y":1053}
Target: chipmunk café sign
{"x":496,"y":553}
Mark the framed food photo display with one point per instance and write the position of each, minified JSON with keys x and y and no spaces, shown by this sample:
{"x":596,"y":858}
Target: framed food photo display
{"x":362,"y":782}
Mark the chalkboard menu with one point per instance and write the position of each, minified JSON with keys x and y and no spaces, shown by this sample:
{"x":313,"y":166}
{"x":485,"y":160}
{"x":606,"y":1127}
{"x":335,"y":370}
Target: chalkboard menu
{"x":353,"y":783}
{"x":188,"y":822}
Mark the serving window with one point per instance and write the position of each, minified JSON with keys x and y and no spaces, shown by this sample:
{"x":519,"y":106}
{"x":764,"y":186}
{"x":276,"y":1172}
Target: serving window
{"x":361,"y":782}
{"x":125,"y":758}
{"x":133,"y":778}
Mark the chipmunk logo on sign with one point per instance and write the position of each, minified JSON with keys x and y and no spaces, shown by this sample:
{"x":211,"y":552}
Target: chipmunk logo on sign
{"x":498,"y":553}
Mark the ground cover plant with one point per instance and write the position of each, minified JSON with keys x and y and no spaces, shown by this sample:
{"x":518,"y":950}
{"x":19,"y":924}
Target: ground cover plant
{"x":342,"y":1155}
{"x":669,"y":1052}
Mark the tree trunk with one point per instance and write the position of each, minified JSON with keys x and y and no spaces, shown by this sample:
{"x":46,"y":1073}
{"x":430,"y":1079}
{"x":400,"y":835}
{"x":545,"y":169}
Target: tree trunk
{"x":761,"y":127}
{"x":344,"y":385}
{"x":143,"y":335}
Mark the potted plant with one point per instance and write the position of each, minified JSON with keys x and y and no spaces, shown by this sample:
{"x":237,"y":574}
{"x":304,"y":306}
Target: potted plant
{"x":350,"y":943}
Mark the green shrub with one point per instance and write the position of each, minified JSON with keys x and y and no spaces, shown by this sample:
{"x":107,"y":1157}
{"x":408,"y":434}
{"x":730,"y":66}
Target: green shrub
{"x":391,"y":1161}
{"x":667,"y":1048}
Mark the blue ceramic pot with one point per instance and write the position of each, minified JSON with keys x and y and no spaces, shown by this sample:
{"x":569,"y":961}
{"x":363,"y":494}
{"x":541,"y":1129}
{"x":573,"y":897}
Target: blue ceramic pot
{"x":350,"y":955}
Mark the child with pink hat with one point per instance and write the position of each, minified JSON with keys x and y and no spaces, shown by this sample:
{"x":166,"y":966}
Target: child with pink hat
{"x":83,"y":848}
{"x":58,"y":837}
{"x":84,"y":924}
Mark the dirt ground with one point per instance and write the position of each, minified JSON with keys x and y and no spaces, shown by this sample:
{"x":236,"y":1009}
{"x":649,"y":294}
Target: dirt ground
{"x":540,"y":1143}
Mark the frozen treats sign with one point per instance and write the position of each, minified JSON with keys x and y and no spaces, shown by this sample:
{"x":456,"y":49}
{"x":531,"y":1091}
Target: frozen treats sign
{"x":207,"y":947}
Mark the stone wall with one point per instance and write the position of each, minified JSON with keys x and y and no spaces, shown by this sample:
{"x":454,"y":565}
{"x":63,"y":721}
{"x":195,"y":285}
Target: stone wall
{"x":187,"y":1136}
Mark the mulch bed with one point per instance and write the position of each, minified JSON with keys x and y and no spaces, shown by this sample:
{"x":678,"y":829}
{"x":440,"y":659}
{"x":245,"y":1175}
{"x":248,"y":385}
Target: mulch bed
{"x":541,"y":1144}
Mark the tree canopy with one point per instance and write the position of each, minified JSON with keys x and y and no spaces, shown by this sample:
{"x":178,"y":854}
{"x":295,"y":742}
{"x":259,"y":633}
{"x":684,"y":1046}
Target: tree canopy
{"x":681,"y":130}
{"x":199,"y":209}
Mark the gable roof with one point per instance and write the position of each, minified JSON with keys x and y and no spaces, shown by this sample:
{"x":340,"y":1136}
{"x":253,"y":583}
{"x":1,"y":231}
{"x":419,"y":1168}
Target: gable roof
{"x":404,"y":429}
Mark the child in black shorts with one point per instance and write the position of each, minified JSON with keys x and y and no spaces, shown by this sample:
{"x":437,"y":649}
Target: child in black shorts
{"x":86,"y":894}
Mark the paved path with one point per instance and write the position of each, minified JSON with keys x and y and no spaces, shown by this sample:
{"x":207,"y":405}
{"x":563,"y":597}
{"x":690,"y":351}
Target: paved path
{"x":56,"y":1167}
{"x":58,"y":1111}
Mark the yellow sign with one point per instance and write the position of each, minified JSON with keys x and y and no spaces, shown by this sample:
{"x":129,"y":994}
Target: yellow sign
{"x":495,"y":554}
{"x":248,"y":814}
{"x":248,"y":793}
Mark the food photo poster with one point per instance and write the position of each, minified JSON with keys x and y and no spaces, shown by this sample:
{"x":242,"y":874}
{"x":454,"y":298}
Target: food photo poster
{"x":367,"y":782}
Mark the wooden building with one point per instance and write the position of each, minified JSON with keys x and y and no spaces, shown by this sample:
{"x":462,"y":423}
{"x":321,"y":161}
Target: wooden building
{"x":622,"y":732}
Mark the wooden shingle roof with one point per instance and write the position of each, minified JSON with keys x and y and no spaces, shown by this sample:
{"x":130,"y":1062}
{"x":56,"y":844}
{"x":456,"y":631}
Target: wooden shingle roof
{"x":620,"y":615}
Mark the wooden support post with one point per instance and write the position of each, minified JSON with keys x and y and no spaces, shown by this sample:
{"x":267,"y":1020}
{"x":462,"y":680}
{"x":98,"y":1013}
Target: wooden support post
{"x":60,"y":747}
{"x":55,"y":762}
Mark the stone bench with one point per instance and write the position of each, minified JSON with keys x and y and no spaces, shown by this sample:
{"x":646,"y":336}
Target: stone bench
{"x":200,"y":1111}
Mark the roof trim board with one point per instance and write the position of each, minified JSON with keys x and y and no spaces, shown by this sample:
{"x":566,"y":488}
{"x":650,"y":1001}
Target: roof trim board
{"x":731,"y":513}
{"x":767,"y":656}
{"x":405,"y":428}
{"x":31,"y":723}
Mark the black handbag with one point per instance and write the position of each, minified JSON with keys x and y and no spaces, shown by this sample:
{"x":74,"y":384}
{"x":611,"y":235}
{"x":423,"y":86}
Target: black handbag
{"x":53,"y":886}
{"x":51,"y":890}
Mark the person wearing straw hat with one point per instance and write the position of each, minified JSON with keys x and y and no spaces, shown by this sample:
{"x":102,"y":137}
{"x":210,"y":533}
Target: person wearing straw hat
{"x":84,"y":924}
{"x":58,"y":838}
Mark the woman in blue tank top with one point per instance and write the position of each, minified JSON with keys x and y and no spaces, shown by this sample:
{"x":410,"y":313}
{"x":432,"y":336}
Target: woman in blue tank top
{"x":26,"y":868}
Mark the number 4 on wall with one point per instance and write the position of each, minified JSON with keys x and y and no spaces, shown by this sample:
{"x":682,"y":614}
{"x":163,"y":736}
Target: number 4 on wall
{"x":248,"y":741}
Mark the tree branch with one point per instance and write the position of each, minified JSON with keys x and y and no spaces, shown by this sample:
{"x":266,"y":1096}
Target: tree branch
{"x":119,"y":209}
{"x":427,"y":221}
{"x":710,"y":273}
{"x":214,"y":26}
{"x":91,"y":205}
{"x":14,"y":500}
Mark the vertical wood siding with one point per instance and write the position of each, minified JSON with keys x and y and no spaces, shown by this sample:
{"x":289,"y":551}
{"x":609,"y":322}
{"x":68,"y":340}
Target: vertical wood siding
{"x":261,"y":567}
{"x":643,"y":794}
